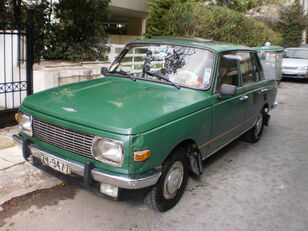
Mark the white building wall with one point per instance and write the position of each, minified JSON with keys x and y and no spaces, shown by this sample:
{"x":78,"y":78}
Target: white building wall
{"x":9,"y":69}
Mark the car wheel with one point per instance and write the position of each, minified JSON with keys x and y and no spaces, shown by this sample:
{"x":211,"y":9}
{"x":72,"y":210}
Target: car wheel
{"x":172,"y":183}
{"x":254,"y":134}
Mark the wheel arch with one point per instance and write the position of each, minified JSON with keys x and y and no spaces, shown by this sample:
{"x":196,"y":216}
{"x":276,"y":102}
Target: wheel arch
{"x":267,"y":117}
{"x":192,"y":154}
{"x":266,"y":107}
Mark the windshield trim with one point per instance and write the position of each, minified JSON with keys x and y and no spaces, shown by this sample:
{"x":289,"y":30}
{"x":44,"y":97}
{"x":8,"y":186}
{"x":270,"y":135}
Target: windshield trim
{"x":136,"y":44}
{"x":156,"y":81}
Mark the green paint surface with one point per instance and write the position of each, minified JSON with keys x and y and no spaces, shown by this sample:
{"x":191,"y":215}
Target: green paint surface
{"x":149,"y":115}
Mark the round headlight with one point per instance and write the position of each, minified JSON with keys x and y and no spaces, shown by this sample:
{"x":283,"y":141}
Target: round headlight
{"x":25,"y":123}
{"x":108,"y":151}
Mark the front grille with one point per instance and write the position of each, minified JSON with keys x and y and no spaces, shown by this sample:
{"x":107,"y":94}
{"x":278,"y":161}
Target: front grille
{"x":289,"y":68}
{"x":293,"y":76}
{"x":67,"y":139}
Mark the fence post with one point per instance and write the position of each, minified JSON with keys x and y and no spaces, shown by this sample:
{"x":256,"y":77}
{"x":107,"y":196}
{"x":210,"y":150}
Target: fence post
{"x":29,"y":51}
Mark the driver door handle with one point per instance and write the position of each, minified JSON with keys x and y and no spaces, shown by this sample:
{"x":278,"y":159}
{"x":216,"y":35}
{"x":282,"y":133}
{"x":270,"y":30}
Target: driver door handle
{"x":264,"y":90}
{"x":244,"y":97}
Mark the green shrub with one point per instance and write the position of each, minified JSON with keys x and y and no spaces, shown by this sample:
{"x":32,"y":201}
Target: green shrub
{"x":14,"y":14}
{"x":76,"y":34}
{"x":243,"y":6}
{"x":218,"y":23}
{"x":80,"y":32}
{"x":156,"y":21}
{"x":291,"y":25}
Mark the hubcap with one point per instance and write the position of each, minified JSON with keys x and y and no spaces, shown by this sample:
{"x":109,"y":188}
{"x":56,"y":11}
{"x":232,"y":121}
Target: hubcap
{"x":173,"y":180}
{"x":259,"y":124}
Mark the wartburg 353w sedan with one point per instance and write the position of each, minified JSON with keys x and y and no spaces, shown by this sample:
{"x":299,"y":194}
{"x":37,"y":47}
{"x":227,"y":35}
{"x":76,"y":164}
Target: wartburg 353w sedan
{"x":164,"y":105}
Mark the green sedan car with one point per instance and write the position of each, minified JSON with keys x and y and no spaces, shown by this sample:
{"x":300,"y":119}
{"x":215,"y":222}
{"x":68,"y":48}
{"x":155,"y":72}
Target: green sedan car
{"x":163,"y":107}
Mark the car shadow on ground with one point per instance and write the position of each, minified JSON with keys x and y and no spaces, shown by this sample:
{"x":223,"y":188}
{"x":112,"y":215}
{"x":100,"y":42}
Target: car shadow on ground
{"x":197,"y":180}
{"x":292,"y":80}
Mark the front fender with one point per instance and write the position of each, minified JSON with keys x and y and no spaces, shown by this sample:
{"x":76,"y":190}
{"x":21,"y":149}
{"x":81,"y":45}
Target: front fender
{"x":162,"y":140}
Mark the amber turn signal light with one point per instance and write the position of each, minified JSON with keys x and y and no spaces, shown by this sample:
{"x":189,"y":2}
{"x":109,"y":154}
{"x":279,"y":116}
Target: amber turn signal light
{"x":16,"y":117}
{"x":142,"y":155}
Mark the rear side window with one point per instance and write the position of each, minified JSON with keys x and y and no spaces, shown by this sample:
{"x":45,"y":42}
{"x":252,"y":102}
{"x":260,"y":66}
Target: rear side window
{"x":228,"y":71}
{"x":258,"y":66}
{"x":248,"y":68}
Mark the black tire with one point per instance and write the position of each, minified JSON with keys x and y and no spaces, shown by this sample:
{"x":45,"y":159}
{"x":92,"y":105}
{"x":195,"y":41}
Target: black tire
{"x":159,"y":198}
{"x":254,"y":134}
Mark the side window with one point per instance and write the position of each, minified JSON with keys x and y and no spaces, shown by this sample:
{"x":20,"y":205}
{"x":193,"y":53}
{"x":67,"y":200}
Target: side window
{"x":258,"y":66}
{"x":248,"y":68}
{"x":228,"y":71}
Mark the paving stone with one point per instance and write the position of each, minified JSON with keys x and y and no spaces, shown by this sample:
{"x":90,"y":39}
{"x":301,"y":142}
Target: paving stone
{"x":5,"y":164}
{"x":17,"y":176}
{"x":5,"y":142}
{"x":12,"y":155}
{"x":9,"y":131}
{"x":21,"y":179}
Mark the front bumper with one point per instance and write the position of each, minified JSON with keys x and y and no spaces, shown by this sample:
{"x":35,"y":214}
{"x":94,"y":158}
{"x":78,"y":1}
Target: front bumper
{"x":275,"y":104}
{"x":294,"y":74}
{"x":98,"y":175}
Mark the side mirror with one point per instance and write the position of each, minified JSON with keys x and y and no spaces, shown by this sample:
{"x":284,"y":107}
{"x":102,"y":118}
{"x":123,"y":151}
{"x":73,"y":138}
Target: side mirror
{"x":227,"y":89}
{"x":104,"y":70}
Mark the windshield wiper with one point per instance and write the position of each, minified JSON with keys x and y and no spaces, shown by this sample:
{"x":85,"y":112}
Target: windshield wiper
{"x":162,"y":77}
{"x":121,"y":72}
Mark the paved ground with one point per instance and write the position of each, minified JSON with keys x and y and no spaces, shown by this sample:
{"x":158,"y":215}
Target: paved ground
{"x":18,"y":177}
{"x":260,"y":186}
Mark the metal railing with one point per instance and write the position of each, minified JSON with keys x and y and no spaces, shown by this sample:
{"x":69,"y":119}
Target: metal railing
{"x":16,"y":61}
{"x":133,"y":65}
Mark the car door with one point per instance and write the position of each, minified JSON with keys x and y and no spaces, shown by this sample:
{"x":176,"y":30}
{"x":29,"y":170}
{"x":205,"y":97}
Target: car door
{"x":254,"y":86}
{"x":228,"y":112}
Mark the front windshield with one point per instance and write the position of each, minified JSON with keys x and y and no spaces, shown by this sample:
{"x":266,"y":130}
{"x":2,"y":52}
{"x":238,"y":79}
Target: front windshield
{"x":296,"y":53}
{"x":184,"y":66}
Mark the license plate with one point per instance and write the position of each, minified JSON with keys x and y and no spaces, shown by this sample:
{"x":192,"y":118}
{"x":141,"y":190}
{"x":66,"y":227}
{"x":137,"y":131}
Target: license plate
{"x":56,"y":164}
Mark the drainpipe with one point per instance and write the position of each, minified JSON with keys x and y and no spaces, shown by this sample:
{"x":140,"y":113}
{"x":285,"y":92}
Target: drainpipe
{"x":304,"y":4}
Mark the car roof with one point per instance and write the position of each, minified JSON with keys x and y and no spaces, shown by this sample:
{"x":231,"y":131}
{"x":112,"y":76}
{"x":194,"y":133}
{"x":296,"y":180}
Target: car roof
{"x":297,"y":48}
{"x":195,"y":42}
{"x":269,"y":48}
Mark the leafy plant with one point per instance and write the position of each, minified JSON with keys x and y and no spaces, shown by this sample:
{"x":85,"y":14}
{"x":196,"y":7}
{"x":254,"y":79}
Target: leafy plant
{"x":218,"y":23}
{"x":243,"y":5}
{"x":76,"y":33}
{"x":14,"y":14}
{"x":156,"y":20}
{"x":80,"y":31}
{"x":291,"y":24}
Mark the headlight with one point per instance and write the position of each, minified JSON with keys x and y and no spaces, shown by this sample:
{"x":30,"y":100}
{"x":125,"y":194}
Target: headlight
{"x":25,"y":123}
{"x":302,"y":68}
{"x":108,"y":151}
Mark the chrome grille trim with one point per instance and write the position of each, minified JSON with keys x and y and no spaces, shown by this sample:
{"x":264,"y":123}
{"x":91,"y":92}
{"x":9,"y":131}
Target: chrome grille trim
{"x":67,"y":139}
{"x":289,"y":68}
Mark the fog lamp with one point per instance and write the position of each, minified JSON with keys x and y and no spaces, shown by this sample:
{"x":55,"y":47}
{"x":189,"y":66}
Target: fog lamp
{"x":109,"y":190}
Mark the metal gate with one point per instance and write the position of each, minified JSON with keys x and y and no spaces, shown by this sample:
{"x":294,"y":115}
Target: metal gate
{"x":16,"y":60}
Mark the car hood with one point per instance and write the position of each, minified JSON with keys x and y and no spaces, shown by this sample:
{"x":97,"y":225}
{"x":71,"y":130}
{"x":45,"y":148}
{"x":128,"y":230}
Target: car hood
{"x":117,"y":104}
{"x":288,"y":62}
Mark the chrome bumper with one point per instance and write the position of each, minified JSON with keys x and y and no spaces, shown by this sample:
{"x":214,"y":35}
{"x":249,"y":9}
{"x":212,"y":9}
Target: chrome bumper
{"x":121,"y":181}
{"x":295,"y":76}
{"x":274,"y":104}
